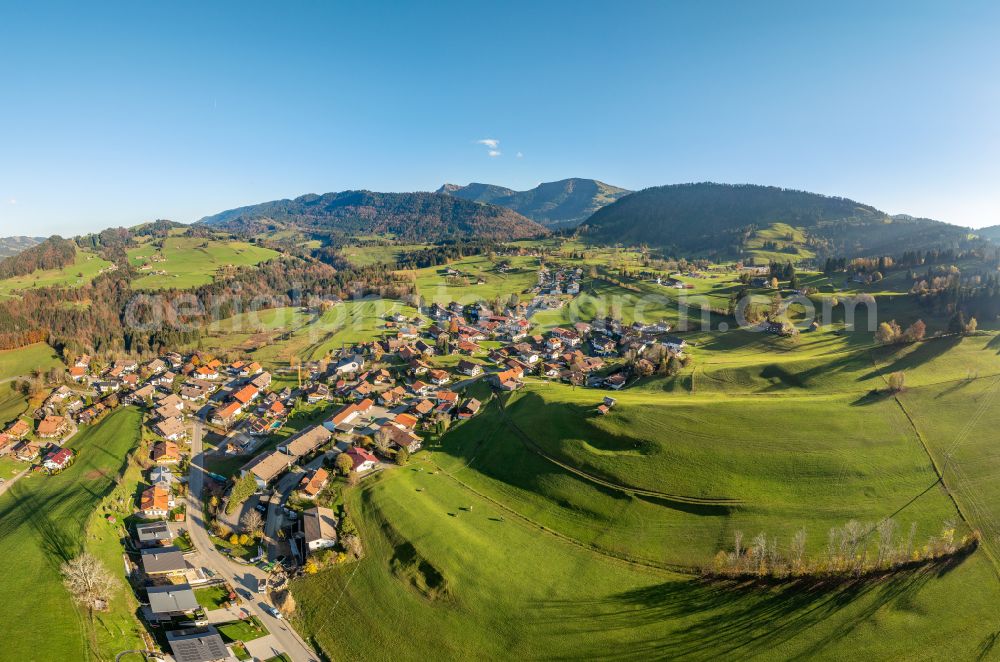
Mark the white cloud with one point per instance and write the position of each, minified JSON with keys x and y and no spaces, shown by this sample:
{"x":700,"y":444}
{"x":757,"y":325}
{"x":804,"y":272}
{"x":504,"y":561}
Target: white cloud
{"x":519,"y":155}
{"x":492,"y":143}
{"x":494,"y":152}
{"x":12,"y":201}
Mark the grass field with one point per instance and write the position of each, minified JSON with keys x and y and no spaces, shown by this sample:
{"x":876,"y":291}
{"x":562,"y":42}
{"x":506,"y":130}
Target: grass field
{"x":17,"y":363}
{"x":492,"y":546}
{"x":363,"y":256}
{"x":83,"y":270}
{"x":434,"y":286}
{"x":42,"y":524}
{"x":188,"y":262}
{"x":453,"y":576}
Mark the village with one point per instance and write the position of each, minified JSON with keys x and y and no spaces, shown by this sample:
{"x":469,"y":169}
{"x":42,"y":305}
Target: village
{"x":228,"y":439}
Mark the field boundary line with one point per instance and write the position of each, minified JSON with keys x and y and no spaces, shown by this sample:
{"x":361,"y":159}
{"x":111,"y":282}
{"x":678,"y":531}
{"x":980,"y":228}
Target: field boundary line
{"x":640,"y":563}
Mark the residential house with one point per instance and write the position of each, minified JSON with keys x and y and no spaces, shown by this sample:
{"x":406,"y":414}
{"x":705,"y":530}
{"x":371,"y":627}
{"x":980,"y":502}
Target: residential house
{"x":155,"y":502}
{"x":344,"y":418}
{"x":267,"y":466}
{"x":171,"y":600}
{"x":18,"y":430}
{"x":408,"y":421}
{"x":403,"y":438}
{"x":165,"y":452}
{"x":306,"y":442}
{"x":170,"y":401}
{"x":198,"y":645}
{"x":362,"y":460}
{"x":27,"y":451}
{"x":469,"y":409}
{"x":317,"y":393}
{"x":422,"y":408}
{"x":163,"y":561}
{"x":446,"y":401}
{"x":439,"y":377}
{"x":154,"y":534}
{"x":319,"y":529}
{"x":171,"y":429}
{"x":312,"y":484}
{"x":58,"y":460}
{"x":246,"y":395}
{"x":226,"y":415}
{"x":469,"y":368}
{"x":52,"y":426}
{"x":508,"y":380}
{"x":206,"y":373}
{"x":262,"y":380}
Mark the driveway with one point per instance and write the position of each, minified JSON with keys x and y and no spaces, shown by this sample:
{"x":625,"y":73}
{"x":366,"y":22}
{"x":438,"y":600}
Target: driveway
{"x":239,"y":576}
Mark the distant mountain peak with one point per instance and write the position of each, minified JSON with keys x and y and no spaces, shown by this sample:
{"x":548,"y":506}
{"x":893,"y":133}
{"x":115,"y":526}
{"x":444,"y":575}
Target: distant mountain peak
{"x":564,"y":203}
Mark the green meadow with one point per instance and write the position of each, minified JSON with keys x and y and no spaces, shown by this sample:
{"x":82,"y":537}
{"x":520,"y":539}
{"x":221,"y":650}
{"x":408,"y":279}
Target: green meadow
{"x":186,"y":262}
{"x":43,"y":523}
{"x":436,"y":287}
{"x":16,"y":363}
{"x":542,"y":529}
{"x":86,"y":267}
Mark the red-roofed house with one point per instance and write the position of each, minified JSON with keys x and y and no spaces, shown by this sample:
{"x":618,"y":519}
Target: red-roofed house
{"x":362,"y":459}
{"x":247,"y":394}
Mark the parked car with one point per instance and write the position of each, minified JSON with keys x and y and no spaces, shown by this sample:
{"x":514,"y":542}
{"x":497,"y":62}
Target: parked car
{"x":273,"y":612}
{"x":261,"y":585}
{"x":261,"y":507}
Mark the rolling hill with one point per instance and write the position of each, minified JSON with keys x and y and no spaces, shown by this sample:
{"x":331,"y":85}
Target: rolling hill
{"x":563,"y":203}
{"x":992,"y":233}
{"x":404,"y":216}
{"x":722,"y":219}
{"x":13,"y":245}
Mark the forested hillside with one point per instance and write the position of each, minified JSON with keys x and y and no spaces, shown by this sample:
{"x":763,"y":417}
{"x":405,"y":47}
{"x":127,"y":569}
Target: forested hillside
{"x":53,"y":253}
{"x":717,"y":219}
{"x":404,"y":216}
{"x":14,"y":245}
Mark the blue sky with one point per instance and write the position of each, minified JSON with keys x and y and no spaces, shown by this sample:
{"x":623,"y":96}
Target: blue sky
{"x":116,"y":113}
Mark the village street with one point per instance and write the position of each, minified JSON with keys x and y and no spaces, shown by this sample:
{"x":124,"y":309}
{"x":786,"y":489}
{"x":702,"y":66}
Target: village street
{"x":243,"y":578}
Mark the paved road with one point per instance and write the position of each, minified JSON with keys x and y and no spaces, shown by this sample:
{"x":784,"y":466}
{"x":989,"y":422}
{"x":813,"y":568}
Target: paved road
{"x":239,"y":576}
